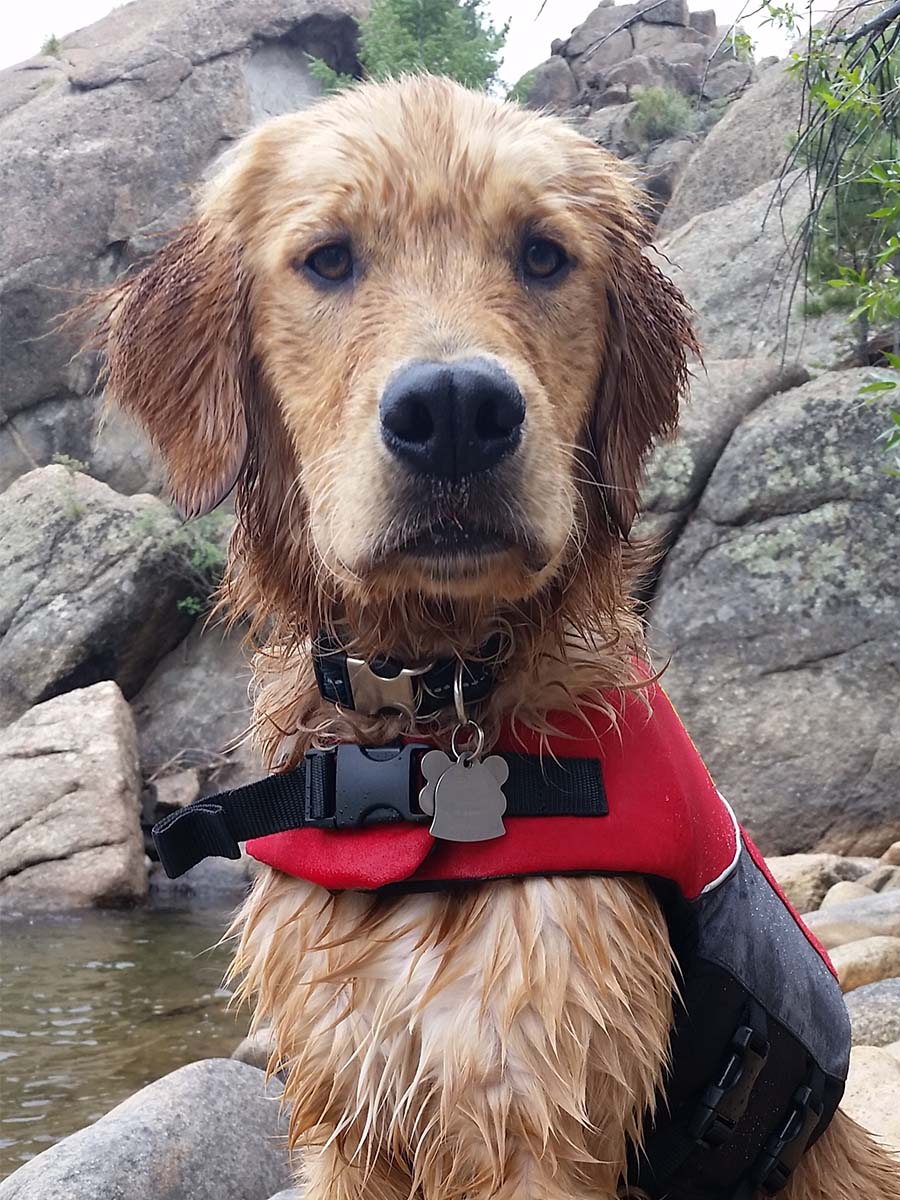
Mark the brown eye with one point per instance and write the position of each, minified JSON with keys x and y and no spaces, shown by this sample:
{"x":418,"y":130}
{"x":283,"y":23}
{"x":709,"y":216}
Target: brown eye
{"x":542,"y":259}
{"x":333,"y":263}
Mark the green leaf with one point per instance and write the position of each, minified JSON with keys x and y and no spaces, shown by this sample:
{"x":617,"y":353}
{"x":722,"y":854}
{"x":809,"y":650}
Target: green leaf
{"x":893,"y":359}
{"x":880,"y":385}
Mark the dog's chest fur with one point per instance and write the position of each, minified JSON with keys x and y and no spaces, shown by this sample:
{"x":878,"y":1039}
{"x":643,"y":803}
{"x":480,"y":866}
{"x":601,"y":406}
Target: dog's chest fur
{"x":522,"y":1021}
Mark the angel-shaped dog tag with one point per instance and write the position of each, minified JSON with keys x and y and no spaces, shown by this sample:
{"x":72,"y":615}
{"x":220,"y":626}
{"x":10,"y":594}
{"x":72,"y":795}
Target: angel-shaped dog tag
{"x":464,"y":796}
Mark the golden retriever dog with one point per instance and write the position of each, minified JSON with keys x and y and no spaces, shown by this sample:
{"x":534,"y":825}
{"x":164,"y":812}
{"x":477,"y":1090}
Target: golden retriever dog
{"x":507,"y":1039}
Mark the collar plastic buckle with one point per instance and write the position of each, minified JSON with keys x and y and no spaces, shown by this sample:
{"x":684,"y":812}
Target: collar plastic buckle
{"x":369,"y":784}
{"x":724,"y":1102}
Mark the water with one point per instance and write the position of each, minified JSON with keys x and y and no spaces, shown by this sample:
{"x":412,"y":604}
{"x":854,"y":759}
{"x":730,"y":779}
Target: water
{"x":93,"y":1006}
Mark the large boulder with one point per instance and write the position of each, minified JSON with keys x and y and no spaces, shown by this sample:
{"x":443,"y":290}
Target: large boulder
{"x":90,"y":584}
{"x":727,"y":79}
{"x":99,"y":151}
{"x":70,"y":833}
{"x":612,"y":128}
{"x":875,"y":1013}
{"x":806,"y":879}
{"x":664,"y":12}
{"x":195,"y":705}
{"x":552,"y":85}
{"x":663,"y":40}
{"x":604,"y":26}
{"x":780,"y":607}
{"x":663,"y":165}
{"x":869,"y":960}
{"x":869,"y":917}
{"x":747,"y":147}
{"x":209,"y":1131}
{"x":723,"y":393}
{"x":735,"y":265}
{"x":873,"y":1086}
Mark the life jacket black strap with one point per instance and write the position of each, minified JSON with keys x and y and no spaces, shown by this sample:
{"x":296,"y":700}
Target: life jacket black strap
{"x":791,"y":1136}
{"x":353,"y":786}
{"x":712,"y":1117}
{"x":678,"y":1147}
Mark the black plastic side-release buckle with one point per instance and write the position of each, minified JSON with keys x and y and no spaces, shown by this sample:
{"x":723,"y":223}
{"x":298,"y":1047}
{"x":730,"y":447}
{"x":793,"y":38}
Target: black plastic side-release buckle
{"x":785,"y":1147}
{"x":362,"y":796}
{"x":725,"y":1101}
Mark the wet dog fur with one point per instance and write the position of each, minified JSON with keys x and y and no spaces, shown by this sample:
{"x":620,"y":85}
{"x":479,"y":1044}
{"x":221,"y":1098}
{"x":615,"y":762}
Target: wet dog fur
{"x":505,"y":1040}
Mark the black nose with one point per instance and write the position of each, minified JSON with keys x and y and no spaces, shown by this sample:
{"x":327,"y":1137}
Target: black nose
{"x":451,"y":419}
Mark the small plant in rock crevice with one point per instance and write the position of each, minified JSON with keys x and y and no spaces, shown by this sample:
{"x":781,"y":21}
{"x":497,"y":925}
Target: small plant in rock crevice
{"x":198,"y":555}
{"x":72,"y":465}
{"x":661,"y":112}
{"x":51,"y":46}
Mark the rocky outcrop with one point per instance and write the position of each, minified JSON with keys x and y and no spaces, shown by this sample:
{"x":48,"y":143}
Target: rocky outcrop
{"x":723,"y":393}
{"x":619,"y":53}
{"x":70,"y":833}
{"x":747,"y":148}
{"x":780,"y":606}
{"x":195,"y":705}
{"x":553,"y":85}
{"x":630,"y":47}
{"x":209,"y":1131}
{"x":100,"y":150}
{"x":734,"y":265}
{"x":90,"y":584}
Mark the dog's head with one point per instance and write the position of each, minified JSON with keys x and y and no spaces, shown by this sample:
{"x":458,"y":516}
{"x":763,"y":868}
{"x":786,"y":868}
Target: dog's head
{"x":416,"y":326}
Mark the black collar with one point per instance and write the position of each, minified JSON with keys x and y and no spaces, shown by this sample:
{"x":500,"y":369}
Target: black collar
{"x":386,"y":684}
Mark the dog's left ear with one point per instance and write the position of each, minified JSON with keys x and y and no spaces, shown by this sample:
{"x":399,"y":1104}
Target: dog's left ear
{"x":645,"y":374}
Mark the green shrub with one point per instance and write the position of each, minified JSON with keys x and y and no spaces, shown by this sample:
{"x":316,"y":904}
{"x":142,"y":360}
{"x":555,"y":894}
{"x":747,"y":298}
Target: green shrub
{"x":444,"y":37}
{"x":199,"y":554}
{"x":521,"y":90}
{"x":661,"y":113}
{"x":51,"y":46}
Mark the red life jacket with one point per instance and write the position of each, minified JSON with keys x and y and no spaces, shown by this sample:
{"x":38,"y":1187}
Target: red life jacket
{"x":760,"y":1045}
{"x":665,"y":818}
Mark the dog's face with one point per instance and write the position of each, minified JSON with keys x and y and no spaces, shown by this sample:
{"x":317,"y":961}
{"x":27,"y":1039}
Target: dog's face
{"x":441,"y":303}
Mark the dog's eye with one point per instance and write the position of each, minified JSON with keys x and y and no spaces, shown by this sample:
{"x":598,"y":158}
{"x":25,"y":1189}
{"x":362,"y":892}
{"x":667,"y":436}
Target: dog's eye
{"x":542,"y":259}
{"x":333,"y":262}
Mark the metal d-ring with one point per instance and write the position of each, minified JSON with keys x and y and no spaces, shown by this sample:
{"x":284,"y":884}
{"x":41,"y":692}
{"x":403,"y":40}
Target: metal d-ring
{"x":470,"y":753}
{"x":459,"y":702}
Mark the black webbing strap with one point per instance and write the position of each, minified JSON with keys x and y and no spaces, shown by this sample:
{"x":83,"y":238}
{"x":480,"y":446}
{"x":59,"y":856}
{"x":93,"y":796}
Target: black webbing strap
{"x":432,"y":690}
{"x":677,"y":1147}
{"x":352,"y":786}
{"x":709,"y":1120}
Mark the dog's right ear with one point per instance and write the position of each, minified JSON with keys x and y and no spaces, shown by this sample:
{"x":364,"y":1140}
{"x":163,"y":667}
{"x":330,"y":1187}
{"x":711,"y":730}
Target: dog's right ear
{"x":177,"y":344}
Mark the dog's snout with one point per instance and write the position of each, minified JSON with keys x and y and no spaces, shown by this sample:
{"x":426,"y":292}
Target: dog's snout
{"x":451,"y":420}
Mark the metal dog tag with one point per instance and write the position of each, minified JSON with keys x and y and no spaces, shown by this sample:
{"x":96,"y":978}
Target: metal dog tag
{"x":465,"y":797}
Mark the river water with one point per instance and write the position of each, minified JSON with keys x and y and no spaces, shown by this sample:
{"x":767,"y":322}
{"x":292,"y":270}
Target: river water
{"x":94,"y":1005}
